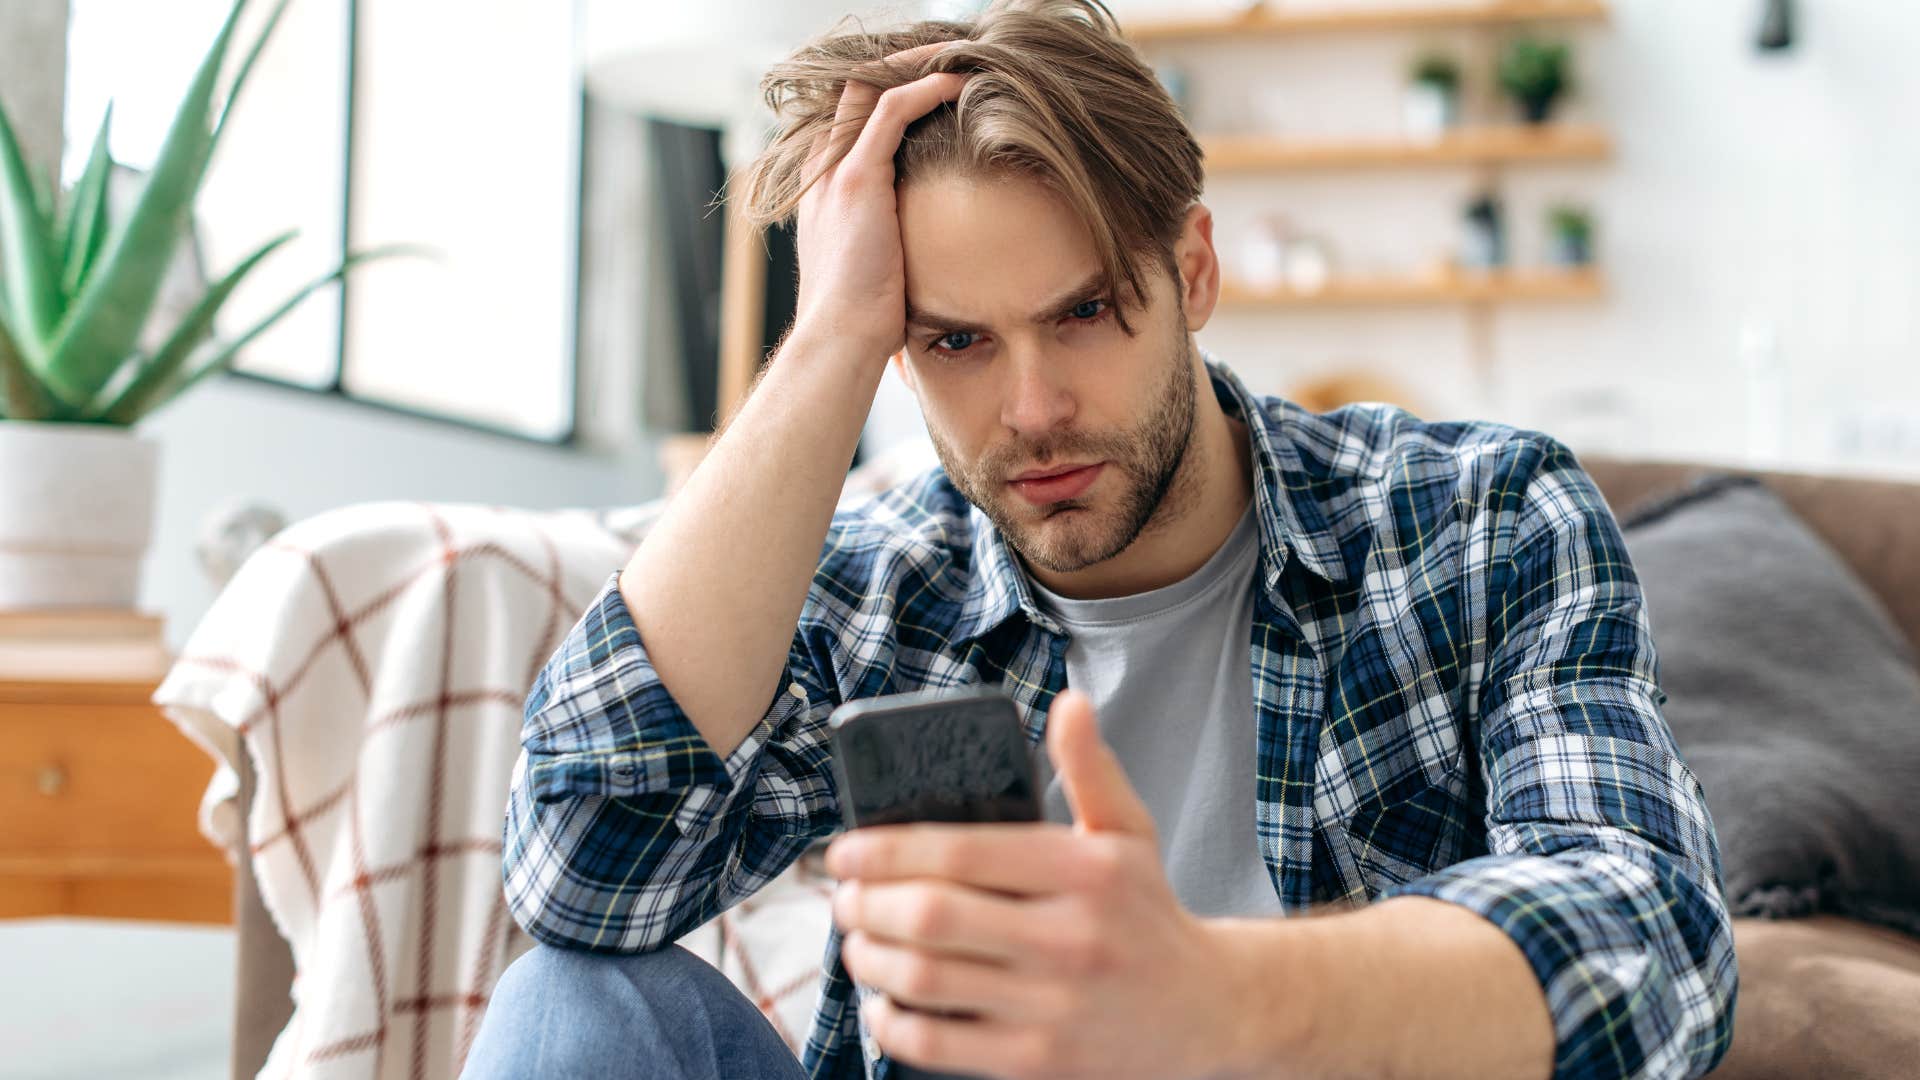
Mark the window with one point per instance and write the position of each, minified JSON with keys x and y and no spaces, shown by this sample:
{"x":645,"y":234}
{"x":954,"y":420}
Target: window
{"x":450,"y":126}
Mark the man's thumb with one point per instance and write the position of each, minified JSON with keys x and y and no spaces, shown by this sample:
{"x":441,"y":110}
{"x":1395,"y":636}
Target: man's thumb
{"x":1097,"y":788}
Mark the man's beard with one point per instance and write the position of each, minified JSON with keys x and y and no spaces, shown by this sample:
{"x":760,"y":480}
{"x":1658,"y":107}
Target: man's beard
{"x":1146,"y":459}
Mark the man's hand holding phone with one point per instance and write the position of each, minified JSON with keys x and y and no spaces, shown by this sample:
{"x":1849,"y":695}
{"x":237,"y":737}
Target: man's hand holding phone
{"x":1051,"y":950}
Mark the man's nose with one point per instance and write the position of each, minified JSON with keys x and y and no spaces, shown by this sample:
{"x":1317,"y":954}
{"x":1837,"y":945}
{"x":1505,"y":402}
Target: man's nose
{"x":1036,"y":399}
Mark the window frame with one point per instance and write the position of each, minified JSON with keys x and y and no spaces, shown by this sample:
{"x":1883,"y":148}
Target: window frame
{"x":336,"y":388}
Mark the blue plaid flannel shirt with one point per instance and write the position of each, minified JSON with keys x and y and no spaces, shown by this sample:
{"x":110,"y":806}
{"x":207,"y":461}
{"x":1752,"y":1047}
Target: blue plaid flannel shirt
{"x":1457,"y":697}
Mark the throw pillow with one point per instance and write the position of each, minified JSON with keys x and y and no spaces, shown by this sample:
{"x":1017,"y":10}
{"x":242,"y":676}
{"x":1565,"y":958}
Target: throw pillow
{"x":1792,"y":696}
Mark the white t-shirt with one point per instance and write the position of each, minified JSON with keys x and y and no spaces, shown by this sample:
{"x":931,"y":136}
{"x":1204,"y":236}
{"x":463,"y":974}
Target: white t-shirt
{"x":1170,"y":675}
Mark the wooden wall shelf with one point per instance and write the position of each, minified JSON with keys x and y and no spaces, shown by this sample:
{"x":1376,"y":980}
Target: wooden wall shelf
{"x":1465,"y":146}
{"x":1504,"y":286}
{"x":1276,"y":18}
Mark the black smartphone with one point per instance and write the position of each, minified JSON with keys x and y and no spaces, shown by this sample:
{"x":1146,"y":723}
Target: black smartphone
{"x":933,"y":755}
{"x":936,"y":755}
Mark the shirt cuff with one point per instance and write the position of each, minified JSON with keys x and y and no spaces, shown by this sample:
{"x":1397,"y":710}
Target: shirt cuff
{"x":600,"y":682}
{"x":1581,"y":924}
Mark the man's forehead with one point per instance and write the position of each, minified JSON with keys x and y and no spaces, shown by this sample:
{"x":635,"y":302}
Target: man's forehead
{"x":956,"y":221}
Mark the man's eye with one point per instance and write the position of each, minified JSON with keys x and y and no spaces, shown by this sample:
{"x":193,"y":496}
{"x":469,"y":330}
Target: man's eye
{"x":1088,"y":309}
{"x":956,"y":342}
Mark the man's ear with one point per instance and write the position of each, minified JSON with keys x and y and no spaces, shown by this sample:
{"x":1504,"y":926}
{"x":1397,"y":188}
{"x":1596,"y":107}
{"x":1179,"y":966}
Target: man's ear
{"x":900,"y":368}
{"x":1199,"y":266}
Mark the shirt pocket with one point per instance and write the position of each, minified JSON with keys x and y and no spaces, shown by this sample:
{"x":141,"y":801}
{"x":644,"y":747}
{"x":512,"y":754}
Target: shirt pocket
{"x":1421,"y":827}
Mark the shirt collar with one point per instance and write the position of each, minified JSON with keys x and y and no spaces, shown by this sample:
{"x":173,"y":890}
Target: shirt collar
{"x":1287,"y":504}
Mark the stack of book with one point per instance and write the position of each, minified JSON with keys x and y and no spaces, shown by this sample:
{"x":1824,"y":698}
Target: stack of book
{"x":82,"y":645}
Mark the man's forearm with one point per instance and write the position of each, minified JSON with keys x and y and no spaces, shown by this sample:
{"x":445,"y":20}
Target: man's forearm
{"x":1407,"y":987}
{"x":717,"y":587}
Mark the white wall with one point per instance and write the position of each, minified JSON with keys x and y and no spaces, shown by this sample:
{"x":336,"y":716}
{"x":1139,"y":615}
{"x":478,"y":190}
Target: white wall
{"x":1766,"y":194}
{"x":33,"y":82}
{"x":304,"y":454}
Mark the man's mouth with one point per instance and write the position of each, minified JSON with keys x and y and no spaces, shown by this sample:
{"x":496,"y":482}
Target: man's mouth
{"x":1051,"y":471}
{"x":1043,"y":486}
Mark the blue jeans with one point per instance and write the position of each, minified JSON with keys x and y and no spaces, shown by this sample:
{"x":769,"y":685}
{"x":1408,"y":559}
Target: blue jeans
{"x":562,"y":1013}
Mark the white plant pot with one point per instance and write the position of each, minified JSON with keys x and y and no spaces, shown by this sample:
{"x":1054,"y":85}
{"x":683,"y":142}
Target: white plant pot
{"x":76,"y":514}
{"x":1428,"y":111}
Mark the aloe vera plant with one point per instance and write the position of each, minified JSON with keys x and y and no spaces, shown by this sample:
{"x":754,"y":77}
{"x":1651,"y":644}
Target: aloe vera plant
{"x":77,"y":286}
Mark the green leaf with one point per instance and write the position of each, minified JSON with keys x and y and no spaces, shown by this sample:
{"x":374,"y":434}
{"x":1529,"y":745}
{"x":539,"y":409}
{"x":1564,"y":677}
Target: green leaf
{"x":246,"y":68}
{"x":44,"y":199}
{"x":128,"y":373}
{"x":83,"y":227}
{"x":21,"y":395}
{"x":132,"y":399}
{"x":223,"y":357}
{"x":31,"y":281}
{"x":103,"y":324}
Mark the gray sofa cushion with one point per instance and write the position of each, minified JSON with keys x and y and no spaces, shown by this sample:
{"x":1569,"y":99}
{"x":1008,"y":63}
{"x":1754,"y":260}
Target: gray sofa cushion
{"x":1793,"y":698}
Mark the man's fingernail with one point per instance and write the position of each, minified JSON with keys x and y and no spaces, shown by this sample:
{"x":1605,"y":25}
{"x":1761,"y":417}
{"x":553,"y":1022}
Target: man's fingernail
{"x":843,"y":903}
{"x":842,"y":856}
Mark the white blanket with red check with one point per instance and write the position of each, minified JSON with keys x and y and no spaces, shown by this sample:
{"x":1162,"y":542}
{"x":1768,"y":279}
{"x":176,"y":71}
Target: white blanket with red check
{"x":372,"y":664}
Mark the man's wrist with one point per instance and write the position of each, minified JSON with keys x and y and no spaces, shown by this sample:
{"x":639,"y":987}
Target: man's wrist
{"x":1404,"y":985}
{"x":1267,"y":1021}
{"x":816,"y":368}
{"x":819,"y":342}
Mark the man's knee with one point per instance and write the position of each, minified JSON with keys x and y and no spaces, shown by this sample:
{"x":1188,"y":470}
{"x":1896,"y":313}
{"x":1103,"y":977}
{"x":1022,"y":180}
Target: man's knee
{"x":546,"y":975}
{"x":566,"y":1012}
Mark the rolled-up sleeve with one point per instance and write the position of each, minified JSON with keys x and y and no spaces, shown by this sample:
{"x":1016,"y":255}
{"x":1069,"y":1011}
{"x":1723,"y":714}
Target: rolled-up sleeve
{"x":1602,"y":864}
{"x":624,"y":828}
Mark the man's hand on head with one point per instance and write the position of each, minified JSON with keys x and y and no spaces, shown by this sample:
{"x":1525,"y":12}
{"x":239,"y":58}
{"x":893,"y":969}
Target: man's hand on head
{"x":852,"y":272}
{"x":1027,"y":950}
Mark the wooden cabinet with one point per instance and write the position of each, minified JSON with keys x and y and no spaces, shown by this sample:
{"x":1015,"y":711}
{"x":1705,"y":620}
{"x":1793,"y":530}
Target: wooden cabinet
{"x":99,"y":807}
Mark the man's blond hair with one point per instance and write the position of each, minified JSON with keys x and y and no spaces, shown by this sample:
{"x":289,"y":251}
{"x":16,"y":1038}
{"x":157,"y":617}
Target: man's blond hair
{"x":1054,"y":94}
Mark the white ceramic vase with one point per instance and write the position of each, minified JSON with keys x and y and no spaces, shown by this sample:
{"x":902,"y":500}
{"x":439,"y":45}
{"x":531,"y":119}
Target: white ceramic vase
{"x":76,"y":514}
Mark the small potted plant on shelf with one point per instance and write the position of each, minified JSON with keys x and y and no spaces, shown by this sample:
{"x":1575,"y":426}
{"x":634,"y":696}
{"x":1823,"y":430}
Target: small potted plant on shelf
{"x":1483,"y":245}
{"x":1535,"y":74}
{"x":1432,"y":102}
{"x":1571,"y":228}
{"x":78,"y":367}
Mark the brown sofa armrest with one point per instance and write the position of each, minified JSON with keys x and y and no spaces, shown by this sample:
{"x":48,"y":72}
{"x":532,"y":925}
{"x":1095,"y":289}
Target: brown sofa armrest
{"x":1826,"y":997}
{"x":263,"y":966}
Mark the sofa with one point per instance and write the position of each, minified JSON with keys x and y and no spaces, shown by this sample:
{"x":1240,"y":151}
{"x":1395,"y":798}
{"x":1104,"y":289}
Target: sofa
{"x":1803,"y":981}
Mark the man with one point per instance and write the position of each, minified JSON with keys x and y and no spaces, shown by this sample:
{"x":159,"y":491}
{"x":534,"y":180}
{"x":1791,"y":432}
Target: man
{"x":1394,"y":672}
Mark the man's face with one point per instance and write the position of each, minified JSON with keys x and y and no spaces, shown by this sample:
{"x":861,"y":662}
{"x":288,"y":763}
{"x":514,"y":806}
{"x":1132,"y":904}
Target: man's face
{"x":1021,"y":368}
